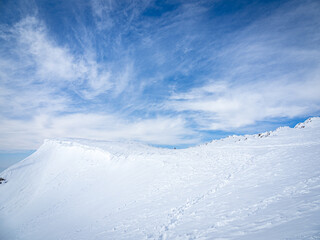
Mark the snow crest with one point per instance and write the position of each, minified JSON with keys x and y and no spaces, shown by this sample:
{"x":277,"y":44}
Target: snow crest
{"x":263,"y":186}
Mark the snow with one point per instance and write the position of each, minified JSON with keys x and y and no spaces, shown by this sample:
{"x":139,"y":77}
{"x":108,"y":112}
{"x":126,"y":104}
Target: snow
{"x":264,"y":186}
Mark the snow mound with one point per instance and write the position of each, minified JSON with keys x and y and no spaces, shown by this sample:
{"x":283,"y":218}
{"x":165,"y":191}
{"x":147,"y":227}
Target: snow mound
{"x":264,"y":186}
{"x":310,"y":122}
{"x":282,"y":134}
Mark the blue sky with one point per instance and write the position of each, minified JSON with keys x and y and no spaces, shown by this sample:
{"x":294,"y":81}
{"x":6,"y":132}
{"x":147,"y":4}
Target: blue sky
{"x":169,"y":73}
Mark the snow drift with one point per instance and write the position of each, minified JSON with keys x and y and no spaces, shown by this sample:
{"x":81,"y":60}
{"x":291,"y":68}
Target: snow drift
{"x":264,"y":186}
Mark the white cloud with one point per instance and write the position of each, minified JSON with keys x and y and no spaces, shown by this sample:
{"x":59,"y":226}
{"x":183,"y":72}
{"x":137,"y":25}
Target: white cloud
{"x":39,"y":80}
{"x":41,"y":60}
{"x":52,"y":62}
{"x":28,"y":101}
{"x":233,"y":107}
{"x":29,"y":134}
{"x":270,"y":70}
{"x":128,"y":64}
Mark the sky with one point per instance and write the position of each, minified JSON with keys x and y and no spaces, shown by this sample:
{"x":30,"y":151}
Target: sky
{"x":166,"y":73}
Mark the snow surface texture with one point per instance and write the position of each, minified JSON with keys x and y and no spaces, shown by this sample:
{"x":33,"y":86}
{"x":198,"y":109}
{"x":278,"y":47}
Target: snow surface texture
{"x":264,"y":186}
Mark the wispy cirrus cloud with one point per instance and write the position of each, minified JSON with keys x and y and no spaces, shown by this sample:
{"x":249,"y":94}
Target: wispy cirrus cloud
{"x":42,"y":83}
{"x":41,"y":60}
{"x":225,"y":107}
{"x":158,"y":72}
{"x":29,"y":133}
{"x":271,"y":71}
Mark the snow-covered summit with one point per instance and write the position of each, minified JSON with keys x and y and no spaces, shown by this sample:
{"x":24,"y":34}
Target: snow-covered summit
{"x":263,"y":186}
{"x":276,"y":135}
{"x":310,"y":122}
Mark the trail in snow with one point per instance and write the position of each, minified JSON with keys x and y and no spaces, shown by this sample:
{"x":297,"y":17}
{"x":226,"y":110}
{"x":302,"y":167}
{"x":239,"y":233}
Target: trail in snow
{"x":263,"y":186}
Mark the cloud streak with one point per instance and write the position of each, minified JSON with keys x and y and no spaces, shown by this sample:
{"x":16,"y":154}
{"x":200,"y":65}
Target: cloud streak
{"x":158,"y":130}
{"x":233,"y":107}
{"x":271,"y":71}
{"x":158,"y":72}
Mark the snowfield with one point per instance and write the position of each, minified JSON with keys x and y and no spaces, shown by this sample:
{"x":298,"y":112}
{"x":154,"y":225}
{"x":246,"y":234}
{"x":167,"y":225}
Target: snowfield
{"x":264,"y":186}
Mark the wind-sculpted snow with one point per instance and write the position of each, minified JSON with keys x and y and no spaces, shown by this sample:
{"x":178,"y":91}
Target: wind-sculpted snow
{"x":264,"y":186}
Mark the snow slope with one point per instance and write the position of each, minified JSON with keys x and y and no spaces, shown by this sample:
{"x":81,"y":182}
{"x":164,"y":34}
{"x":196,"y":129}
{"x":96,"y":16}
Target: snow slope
{"x":264,"y":186}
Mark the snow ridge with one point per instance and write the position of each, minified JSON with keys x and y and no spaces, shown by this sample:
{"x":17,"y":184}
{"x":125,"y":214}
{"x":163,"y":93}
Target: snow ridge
{"x":263,"y":186}
{"x":309,"y":123}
